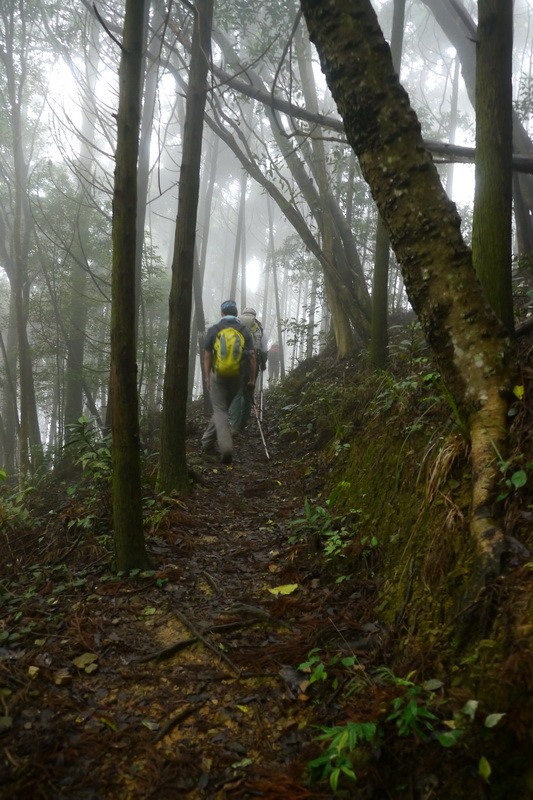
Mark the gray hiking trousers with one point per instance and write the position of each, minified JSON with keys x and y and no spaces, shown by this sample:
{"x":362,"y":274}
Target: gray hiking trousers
{"x":223,"y":391}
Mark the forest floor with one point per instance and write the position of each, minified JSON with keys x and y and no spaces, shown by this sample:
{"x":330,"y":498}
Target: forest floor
{"x":181,"y":681}
{"x":209,"y":676}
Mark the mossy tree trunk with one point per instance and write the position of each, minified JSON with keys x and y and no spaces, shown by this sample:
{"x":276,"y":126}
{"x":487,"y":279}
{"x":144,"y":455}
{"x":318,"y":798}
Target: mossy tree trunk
{"x":172,"y":465}
{"x":469,"y":343}
{"x":130,"y":552}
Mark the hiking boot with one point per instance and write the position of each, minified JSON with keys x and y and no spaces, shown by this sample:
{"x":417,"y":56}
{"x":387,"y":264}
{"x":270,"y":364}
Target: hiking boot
{"x":227,"y":458}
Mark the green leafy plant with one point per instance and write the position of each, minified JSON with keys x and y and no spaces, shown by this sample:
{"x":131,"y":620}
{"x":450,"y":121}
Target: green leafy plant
{"x":324,"y":527}
{"x":410,"y":715}
{"x":92,"y":450}
{"x":513,"y":479}
{"x":340,"y":447}
{"x":458,"y":726}
{"x":13,"y":510}
{"x":343,"y":744}
{"x":314,"y":666}
{"x":335,"y":669}
{"x":410,"y":712}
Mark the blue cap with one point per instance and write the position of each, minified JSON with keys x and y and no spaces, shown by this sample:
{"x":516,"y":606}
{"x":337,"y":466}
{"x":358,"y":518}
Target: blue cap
{"x":229,"y":307}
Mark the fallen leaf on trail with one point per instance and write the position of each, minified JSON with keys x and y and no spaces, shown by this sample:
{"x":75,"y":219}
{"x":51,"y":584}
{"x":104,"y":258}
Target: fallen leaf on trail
{"x":273,"y":568}
{"x":150,"y":724}
{"x":82,"y":662}
{"x":62,"y":677}
{"x":518,"y":392}
{"x":108,"y":723}
{"x":241,"y":764}
{"x":33,"y":672}
{"x":288,"y":588}
{"x":5,"y":724}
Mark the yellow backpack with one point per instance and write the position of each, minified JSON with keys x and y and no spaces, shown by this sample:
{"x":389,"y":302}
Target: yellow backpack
{"x":229,"y":350}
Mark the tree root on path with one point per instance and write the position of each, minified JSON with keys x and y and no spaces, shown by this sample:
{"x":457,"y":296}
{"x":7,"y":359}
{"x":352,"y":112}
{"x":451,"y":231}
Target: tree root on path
{"x":175,"y":720}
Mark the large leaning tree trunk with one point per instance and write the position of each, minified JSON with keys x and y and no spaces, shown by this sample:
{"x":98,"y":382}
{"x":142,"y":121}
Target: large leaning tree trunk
{"x":469,"y":343}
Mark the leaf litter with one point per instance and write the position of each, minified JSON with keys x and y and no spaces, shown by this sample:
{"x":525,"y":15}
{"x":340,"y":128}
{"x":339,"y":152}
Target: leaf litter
{"x":209,"y":676}
{"x":180,"y":681}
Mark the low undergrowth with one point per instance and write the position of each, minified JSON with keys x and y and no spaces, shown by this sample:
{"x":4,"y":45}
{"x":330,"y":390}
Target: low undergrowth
{"x":389,"y":503}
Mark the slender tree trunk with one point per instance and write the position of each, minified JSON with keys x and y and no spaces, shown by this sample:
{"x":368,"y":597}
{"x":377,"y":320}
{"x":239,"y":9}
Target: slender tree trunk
{"x":491,"y":230}
{"x":76,"y":326}
{"x":30,"y":439}
{"x":244,"y":302}
{"x":10,"y":416}
{"x":198,"y":325}
{"x":379,"y":341}
{"x":380,"y":296}
{"x":352,"y":165}
{"x":454,"y":107}
{"x":310,"y":342}
{"x":238,"y":237}
{"x":173,"y":467}
{"x":149,"y":68}
{"x":130,"y":549}
{"x":276,"y":291}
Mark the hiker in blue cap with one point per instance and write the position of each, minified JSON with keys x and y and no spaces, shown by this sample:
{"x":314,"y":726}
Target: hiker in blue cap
{"x":229,"y":359}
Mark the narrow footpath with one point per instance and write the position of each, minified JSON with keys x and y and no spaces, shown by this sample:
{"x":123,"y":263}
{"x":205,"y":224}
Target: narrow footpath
{"x":181,"y":682}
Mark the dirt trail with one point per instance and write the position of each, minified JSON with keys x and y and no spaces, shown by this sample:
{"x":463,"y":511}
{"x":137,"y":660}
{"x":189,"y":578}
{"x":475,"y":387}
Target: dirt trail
{"x":187,"y":684}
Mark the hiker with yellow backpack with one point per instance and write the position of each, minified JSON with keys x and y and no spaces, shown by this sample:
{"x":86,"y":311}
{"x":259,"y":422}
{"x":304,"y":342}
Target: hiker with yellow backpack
{"x":229,"y":360}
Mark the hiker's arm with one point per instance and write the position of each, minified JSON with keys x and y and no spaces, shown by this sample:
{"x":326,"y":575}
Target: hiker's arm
{"x":208,"y":361}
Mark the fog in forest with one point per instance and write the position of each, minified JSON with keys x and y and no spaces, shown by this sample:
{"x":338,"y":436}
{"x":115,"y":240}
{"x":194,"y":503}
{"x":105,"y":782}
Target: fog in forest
{"x":59,"y":79}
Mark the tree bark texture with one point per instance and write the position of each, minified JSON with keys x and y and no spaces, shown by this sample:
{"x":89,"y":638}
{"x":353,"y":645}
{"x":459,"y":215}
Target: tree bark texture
{"x":173,"y":467}
{"x":492,"y":223}
{"x":469,"y":343}
{"x":130,"y":550}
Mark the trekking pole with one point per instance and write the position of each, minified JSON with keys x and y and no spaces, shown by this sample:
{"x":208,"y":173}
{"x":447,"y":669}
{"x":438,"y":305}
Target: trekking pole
{"x":261,"y":431}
